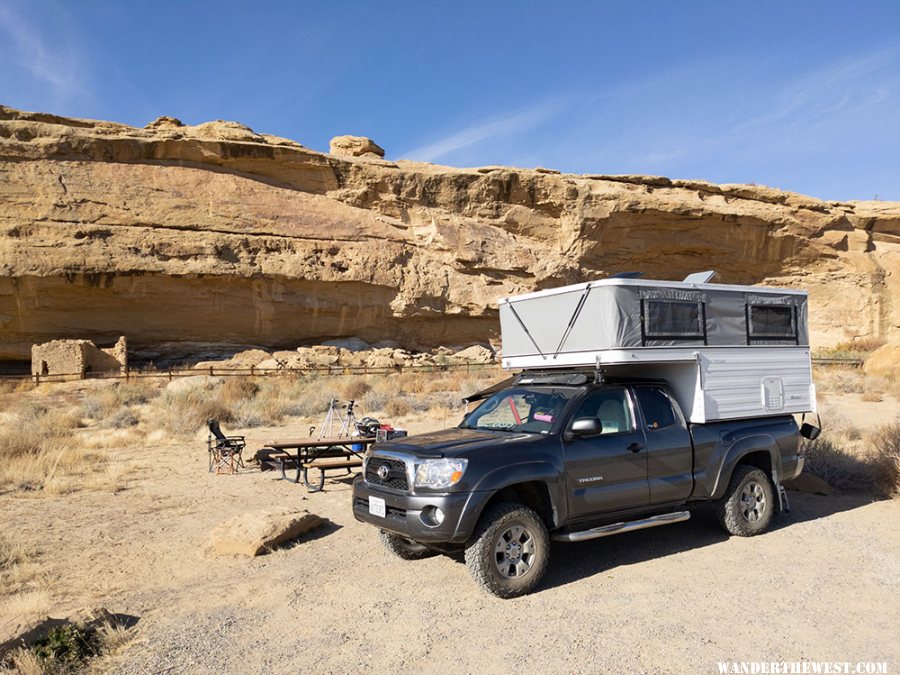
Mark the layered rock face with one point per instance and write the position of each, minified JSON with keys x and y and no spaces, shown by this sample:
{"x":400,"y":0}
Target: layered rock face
{"x":216,"y":234}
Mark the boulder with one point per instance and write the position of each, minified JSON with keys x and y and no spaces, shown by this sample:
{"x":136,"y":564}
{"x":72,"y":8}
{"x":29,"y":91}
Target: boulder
{"x":352,"y":344}
{"x":381,"y":358}
{"x":355,"y":146}
{"x":165,"y":122}
{"x":807,"y":482}
{"x":884,"y":361}
{"x":258,"y":532}
{"x":474,"y":354}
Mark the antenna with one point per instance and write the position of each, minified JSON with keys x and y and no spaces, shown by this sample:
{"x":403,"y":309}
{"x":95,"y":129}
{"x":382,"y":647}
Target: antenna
{"x":700,"y":277}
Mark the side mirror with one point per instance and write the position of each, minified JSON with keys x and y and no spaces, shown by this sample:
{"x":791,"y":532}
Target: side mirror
{"x":586,"y":426}
{"x":810,"y":431}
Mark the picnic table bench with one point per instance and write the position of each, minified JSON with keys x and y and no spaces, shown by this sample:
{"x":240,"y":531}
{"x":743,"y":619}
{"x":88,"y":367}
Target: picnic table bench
{"x":303,"y":455}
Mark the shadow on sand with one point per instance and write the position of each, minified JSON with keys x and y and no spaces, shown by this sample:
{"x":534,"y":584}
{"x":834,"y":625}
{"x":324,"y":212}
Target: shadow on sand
{"x":571,"y":562}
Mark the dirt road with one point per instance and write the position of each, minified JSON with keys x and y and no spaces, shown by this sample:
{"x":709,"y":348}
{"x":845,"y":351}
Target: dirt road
{"x":823,"y":586}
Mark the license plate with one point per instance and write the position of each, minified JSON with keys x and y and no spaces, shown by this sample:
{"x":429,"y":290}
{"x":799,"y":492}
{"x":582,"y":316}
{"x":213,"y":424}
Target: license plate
{"x":376,"y":507}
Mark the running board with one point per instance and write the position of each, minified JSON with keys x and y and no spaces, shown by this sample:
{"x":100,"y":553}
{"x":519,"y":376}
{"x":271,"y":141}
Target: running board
{"x":618,"y":528}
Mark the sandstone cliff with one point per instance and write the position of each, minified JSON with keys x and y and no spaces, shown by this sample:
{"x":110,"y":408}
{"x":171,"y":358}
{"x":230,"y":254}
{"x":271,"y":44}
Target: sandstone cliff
{"x":214,"y":233}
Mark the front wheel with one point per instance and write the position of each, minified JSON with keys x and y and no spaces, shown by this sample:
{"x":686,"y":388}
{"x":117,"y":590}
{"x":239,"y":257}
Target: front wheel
{"x":748,"y":506}
{"x":403,"y":547}
{"x":509,"y":551}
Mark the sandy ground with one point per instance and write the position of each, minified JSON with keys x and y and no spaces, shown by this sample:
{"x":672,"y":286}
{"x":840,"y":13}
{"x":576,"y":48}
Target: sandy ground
{"x":823,"y":586}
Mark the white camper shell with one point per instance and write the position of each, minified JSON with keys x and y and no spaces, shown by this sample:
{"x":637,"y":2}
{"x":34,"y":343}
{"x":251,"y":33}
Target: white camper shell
{"x":727,"y":352}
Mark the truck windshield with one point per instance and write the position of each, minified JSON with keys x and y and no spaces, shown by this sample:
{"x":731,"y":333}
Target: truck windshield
{"x":522,"y":409}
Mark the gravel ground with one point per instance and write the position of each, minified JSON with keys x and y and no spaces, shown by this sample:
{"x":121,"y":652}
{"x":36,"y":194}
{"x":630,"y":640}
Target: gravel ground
{"x":822,"y":586}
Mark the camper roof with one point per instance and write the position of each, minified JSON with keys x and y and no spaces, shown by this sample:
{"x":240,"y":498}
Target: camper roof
{"x":653,"y":283}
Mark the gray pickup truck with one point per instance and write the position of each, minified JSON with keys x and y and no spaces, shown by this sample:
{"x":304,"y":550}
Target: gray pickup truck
{"x":568,"y":456}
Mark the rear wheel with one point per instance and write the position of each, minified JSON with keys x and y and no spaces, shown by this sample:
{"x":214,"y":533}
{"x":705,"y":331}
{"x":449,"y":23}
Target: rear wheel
{"x":748,"y":506}
{"x":509,"y":551}
{"x":403,"y":547}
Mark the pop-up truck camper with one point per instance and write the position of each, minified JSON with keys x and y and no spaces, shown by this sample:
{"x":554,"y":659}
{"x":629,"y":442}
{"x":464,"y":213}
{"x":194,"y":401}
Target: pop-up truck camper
{"x":634,"y":401}
{"x":727,"y":352}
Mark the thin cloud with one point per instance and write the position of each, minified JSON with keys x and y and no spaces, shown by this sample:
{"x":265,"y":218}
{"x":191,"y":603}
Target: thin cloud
{"x":56,"y":67}
{"x":844,"y":89}
{"x":506,"y":124}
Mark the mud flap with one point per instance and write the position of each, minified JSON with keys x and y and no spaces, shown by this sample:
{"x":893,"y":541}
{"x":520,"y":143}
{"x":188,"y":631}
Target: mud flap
{"x":783,"y":505}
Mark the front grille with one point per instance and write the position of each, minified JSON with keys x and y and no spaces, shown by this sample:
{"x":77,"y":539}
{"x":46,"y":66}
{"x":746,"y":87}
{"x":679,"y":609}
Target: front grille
{"x":390,"y":511}
{"x":396,"y":476}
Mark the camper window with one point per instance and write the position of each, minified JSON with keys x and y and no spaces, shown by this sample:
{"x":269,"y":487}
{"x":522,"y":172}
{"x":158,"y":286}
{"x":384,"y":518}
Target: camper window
{"x":771,"y":322}
{"x":673,"y":320}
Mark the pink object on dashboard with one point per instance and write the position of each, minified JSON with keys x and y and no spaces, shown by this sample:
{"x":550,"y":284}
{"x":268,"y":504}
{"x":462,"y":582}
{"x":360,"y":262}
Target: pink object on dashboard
{"x":543,"y":418}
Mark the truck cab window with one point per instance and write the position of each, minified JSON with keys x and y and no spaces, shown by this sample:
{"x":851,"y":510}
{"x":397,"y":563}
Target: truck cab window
{"x":611,"y":407}
{"x":656,"y":406}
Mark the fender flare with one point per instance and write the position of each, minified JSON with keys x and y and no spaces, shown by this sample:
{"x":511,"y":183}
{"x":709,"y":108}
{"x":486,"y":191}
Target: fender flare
{"x":751,"y":444}
{"x":535,"y":471}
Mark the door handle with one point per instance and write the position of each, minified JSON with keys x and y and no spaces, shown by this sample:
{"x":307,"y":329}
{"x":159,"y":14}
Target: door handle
{"x":635,"y":447}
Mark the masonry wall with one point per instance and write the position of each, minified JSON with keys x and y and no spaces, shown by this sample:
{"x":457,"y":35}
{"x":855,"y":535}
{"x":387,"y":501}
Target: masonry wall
{"x":59,"y":357}
{"x":77,"y":357}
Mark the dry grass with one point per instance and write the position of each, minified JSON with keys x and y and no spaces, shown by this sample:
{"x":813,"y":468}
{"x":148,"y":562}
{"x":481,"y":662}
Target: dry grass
{"x":886,"y":448}
{"x":183,"y":412}
{"x":852,"y":461}
{"x":853,"y":349}
{"x":19,"y":570}
{"x":26,"y":662}
{"x":838,"y":380}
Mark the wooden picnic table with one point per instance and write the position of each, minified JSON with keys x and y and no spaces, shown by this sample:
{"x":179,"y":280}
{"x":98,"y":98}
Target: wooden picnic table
{"x":321,"y":454}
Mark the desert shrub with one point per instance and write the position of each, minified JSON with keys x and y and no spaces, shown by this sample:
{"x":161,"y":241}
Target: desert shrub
{"x":109,"y":402}
{"x":136,"y":392}
{"x":375,"y":400}
{"x":299,"y":397}
{"x":872,"y":397}
{"x":355,"y":389}
{"x":886,"y":447}
{"x":247,"y":414}
{"x":853,"y":349}
{"x":68,"y":644}
{"x":837,"y":465}
{"x":839,"y":380}
{"x":123,"y":418}
{"x":397,"y":407}
{"x":100,"y":405}
{"x":184,"y":412}
{"x":236,"y":390}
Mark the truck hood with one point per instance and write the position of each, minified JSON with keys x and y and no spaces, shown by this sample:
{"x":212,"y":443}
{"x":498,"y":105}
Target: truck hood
{"x":450,"y":442}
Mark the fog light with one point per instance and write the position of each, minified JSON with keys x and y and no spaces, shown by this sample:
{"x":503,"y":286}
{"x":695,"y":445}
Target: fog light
{"x":432,"y":516}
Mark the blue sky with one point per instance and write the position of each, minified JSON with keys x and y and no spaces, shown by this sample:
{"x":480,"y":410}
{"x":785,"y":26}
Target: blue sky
{"x":803,"y":96}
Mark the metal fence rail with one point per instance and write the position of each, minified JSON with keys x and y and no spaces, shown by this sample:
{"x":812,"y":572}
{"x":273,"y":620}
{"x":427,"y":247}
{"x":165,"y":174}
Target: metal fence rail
{"x":838,"y":361}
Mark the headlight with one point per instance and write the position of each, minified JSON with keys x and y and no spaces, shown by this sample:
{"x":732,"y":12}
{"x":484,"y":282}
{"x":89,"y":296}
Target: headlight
{"x":440,"y":473}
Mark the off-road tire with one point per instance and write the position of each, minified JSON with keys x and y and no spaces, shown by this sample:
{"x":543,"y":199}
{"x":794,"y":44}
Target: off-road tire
{"x":739,"y":514}
{"x":484,"y":556}
{"x":403,"y":547}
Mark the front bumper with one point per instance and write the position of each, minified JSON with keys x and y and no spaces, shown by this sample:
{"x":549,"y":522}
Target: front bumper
{"x":404,"y":513}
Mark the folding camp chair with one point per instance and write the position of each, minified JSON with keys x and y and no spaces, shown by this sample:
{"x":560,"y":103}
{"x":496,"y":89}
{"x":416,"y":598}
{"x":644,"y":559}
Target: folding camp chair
{"x":224,"y":451}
